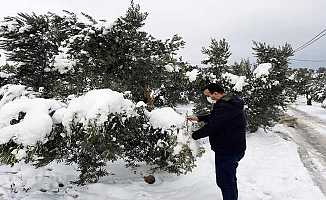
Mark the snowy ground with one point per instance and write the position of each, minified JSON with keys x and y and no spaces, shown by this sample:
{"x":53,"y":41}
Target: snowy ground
{"x":315,"y":111}
{"x":310,"y":135}
{"x":272,"y":169}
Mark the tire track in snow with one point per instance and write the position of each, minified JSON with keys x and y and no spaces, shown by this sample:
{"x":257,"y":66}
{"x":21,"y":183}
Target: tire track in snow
{"x":309,"y":134}
{"x":305,"y":116}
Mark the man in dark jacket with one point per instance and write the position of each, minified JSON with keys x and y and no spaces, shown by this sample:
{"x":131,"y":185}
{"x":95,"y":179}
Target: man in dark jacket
{"x":226,"y":128}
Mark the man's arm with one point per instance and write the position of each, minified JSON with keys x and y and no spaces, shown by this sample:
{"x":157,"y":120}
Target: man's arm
{"x":199,"y":134}
{"x":199,"y":118}
{"x":205,"y":130}
{"x":203,"y":118}
{"x":216,"y":120}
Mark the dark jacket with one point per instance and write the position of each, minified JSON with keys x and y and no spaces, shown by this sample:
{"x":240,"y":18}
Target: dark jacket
{"x":225,"y":126}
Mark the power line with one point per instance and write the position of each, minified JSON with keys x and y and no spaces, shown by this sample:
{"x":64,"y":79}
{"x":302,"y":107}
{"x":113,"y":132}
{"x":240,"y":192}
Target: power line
{"x":314,"y":39}
{"x":310,"y":41}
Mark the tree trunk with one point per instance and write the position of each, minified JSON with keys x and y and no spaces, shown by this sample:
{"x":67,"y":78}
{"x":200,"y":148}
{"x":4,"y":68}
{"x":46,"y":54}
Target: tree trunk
{"x":148,"y":97}
{"x":309,"y":99}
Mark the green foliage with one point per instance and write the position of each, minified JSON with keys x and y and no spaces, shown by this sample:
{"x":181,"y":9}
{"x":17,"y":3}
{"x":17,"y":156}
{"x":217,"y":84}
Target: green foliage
{"x":242,"y":69}
{"x":263,"y":106}
{"x":268,"y":96}
{"x":319,"y":86}
{"x":122,"y":57}
{"x":183,"y":162}
{"x":6,"y":156}
{"x":303,"y":82}
{"x":218,"y":54}
{"x":10,"y":72}
{"x":20,"y":46}
{"x":176,"y":89}
{"x":202,"y":106}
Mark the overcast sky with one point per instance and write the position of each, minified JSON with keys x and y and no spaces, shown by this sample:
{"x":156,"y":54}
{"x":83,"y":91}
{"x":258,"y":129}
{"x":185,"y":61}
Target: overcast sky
{"x":239,"y":21}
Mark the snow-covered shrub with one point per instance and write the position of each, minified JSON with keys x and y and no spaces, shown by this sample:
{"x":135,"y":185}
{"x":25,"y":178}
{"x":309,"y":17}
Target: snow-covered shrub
{"x":17,"y":103}
{"x":93,"y":129}
{"x":113,"y":128}
{"x":25,"y":124}
{"x":75,"y":57}
{"x":26,"y":121}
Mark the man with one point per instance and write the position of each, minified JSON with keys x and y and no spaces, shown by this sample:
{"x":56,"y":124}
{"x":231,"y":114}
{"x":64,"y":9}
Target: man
{"x":226,"y":128}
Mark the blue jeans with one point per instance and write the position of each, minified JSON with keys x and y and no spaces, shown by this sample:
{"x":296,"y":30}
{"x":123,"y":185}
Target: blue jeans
{"x":226,"y":179}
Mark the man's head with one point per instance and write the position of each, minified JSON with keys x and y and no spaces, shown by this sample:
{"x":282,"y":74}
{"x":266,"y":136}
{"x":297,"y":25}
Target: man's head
{"x":214,"y":91}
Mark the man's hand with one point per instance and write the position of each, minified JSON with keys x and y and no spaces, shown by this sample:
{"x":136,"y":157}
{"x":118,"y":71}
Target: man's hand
{"x":192,"y":118}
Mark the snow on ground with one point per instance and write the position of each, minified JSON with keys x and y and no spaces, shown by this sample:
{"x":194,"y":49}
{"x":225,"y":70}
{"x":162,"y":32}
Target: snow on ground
{"x":315,"y":110}
{"x":310,"y":135}
{"x":271,"y":169}
{"x":313,"y":116}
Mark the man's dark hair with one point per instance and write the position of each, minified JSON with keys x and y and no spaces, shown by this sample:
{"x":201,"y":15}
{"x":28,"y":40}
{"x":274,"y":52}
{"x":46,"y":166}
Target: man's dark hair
{"x":214,"y":87}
